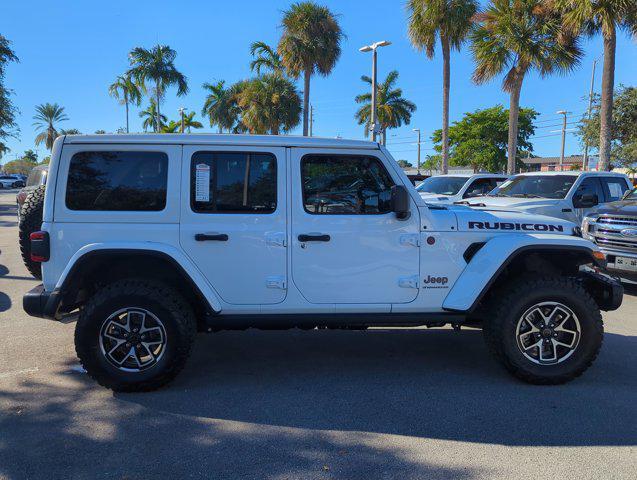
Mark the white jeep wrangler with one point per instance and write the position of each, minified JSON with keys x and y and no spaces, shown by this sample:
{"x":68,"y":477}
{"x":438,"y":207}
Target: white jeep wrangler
{"x":147,"y":239}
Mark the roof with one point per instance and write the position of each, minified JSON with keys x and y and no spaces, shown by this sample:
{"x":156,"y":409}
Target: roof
{"x":553,"y":160}
{"x":222,"y":139}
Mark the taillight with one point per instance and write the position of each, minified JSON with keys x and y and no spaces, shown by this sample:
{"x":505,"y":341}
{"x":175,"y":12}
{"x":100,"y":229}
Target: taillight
{"x":39,"y":246}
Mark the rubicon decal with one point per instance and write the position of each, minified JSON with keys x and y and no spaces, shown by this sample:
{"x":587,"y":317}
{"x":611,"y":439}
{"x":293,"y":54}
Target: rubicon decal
{"x":527,"y":227}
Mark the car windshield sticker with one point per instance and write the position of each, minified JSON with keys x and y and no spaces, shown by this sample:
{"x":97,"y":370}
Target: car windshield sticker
{"x":202,"y":183}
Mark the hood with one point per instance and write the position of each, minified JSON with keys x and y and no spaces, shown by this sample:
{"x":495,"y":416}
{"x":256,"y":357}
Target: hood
{"x":517,"y":202}
{"x":508,"y":221}
{"x":622,"y":207}
{"x":434,"y":197}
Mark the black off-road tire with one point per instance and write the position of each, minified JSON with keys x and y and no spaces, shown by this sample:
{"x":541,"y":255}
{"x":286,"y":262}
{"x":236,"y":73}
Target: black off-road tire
{"x":161,"y":300}
{"x":512,"y":302}
{"x":31,"y":221}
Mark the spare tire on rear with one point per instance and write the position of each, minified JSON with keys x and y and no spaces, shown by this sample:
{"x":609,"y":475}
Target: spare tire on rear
{"x":31,"y":221}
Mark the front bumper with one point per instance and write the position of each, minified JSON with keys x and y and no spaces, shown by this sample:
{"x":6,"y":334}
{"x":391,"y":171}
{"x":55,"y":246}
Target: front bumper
{"x":607,"y":291}
{"x":612,"y":267}
{"x":37,"y":302}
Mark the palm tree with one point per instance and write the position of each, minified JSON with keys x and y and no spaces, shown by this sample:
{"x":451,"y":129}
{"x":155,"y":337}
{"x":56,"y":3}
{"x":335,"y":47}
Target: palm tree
{"x":311,"y":42}
{"x":606,"y":17}
{"x":392,"y":109}
{"x":220,"y":106}
{"x":518,"y":36}
{"x":126,"y":91}
{"x":151,"y":116}
{"x":190,"y":122}
{"x":69,"y":131}
{"x":46,"y":116}
{"x":265,"y":58}
{"x":449,"y":20}
{"x":171,"y":127}
{"x":157,"y":67}
{"x":269,"y":104}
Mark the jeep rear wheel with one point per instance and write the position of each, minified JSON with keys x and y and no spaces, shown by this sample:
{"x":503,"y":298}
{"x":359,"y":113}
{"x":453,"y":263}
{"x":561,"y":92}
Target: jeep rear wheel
{"x":545,"y":330}
{"x":135,"y":335}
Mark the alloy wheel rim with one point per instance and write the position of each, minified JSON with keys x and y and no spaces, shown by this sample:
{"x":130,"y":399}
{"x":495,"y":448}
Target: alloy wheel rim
{"x":132,"y":339}
{"x":548,"y":333}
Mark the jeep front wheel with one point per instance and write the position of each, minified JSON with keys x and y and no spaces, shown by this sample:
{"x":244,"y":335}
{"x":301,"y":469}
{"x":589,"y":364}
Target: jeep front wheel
{"x":135,"y":335}
{"x":545,"y":330}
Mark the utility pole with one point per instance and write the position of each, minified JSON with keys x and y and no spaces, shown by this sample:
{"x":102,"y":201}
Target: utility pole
{"x":311,"y":118}
{"x":183,"y":120}
{"x":562,"y":112}
{"x":590,"y":112}
{"x":418,"y":161}
{"x":372,"y":48}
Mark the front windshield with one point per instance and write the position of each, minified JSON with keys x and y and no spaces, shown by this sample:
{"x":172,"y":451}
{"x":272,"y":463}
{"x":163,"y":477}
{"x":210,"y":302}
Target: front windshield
{"x":536,"y":186}
{"x":632,"y":195}
{"x":442,"y":185}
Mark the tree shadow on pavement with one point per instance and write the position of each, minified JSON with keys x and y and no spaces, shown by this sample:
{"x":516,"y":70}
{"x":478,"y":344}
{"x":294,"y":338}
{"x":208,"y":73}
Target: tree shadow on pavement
{"x":74,"y":429}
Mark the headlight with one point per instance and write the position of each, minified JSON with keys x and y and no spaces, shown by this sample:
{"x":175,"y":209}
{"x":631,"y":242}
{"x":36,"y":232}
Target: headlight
{"x":588,"y":226}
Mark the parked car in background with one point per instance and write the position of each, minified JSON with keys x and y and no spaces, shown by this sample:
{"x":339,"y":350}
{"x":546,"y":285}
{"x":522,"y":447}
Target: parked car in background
{"x":11,"y":181}
{"x":36,"y":177}
{"x":567,"y":195}
{"x":614,"y":228}
{"x":456,"y":187}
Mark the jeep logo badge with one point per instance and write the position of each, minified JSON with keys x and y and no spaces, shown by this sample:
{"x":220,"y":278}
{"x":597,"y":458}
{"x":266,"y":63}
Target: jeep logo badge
{"x":629,"y":232}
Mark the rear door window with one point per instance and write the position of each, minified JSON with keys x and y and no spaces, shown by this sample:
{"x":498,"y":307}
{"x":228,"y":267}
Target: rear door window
{"x":615,"y":188}
{"x":233,"y":182}
{"x":117,"y":181}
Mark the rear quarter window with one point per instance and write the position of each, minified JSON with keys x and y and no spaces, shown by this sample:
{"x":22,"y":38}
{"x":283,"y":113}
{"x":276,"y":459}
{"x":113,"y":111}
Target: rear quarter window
{"x":117,"y":181}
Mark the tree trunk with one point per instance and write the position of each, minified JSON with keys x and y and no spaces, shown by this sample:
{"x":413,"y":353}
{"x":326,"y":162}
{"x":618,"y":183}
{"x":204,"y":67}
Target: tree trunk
{"x":384,"y":137}
{"x":306,"y":101}
{"x":606,"y":109}
{"x":127,"y":131}
{"x":514,"y":111}
{"x":446,"y":73}
{"x":158,"y":127}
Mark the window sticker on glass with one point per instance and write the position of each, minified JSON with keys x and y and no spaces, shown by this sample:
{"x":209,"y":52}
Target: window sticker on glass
{"x":202,"y":183}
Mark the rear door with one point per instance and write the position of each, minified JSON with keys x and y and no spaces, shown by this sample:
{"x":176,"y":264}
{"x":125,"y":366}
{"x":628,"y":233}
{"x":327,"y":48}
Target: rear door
{"x":233,"y":220}
{"x":347,"y":246}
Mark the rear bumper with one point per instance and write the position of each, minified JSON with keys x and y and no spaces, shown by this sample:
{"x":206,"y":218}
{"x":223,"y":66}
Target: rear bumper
{"x":37,"y":302}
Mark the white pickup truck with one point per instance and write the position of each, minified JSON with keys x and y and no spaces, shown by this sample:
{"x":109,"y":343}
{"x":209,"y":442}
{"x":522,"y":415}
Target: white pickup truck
{"x":567,"y":195}
{"x":148,"y":239}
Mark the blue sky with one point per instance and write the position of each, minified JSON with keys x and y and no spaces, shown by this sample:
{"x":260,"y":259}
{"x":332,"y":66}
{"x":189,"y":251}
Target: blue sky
{"x":70,"y":51}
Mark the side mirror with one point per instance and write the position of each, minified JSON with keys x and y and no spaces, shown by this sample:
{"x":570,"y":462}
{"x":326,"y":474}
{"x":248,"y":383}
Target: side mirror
{"x":585,"y":201}
{"x":400,"y":202}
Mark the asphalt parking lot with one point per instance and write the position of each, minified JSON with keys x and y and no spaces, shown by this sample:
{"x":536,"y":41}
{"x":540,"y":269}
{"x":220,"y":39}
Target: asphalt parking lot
{"x":384,"y":404}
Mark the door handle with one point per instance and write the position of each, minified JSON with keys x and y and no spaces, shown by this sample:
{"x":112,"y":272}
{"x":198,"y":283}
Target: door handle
{"x":204,"y":237}
{"x":314,"y":238}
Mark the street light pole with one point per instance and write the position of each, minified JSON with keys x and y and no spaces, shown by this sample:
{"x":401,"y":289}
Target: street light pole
{"x":418,"y":161}
{"x":590,"y":108}
{"x":183,"y":122}
{"x":562,"y":112}
{"x":372,"y":48}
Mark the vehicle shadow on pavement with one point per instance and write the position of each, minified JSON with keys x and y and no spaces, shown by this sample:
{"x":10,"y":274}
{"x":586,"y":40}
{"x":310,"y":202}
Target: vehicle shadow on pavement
{"x":74,"y":429}
{"x":430,"y":384}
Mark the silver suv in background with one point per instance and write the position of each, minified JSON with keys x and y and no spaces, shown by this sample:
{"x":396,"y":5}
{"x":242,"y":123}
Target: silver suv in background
{"x":456,"y":187}
{"x":614,"y":228}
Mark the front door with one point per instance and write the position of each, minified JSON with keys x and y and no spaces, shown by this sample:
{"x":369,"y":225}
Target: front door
{"x":233,"y":220}
{"x":348,"y":247}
